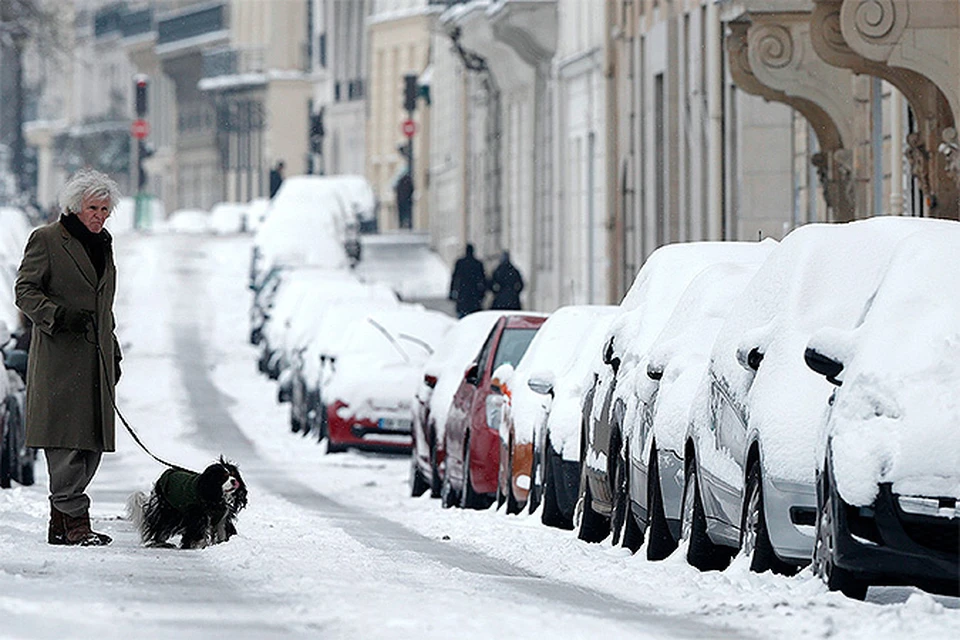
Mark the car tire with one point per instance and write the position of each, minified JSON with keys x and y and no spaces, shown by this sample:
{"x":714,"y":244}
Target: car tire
{"x":754,"y":535}
{"x":435,"y":484}
{"x":836,"y":578}
{"x":418,"y":484}
{"x":660,"y":542}
{"x":591,"y":526}
{"x":470,"y":499}
{"x":625,"y":530}
{"x":295,"y":425}
{"x":551,"y":516}
{"x":702,"y":553}
{"x":448,"y":495}
{"x":513,"y":506}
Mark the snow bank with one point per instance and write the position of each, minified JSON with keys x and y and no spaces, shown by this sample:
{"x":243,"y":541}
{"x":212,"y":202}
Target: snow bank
{"x":193,"y":221}
{"x":895,"y":417}
{"x":228,"y":217}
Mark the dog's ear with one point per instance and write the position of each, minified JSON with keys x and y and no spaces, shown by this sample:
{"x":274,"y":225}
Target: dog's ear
{"x":210,"y":483}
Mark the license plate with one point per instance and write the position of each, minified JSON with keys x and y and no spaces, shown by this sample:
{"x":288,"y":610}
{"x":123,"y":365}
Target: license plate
{"x":395,"y":424}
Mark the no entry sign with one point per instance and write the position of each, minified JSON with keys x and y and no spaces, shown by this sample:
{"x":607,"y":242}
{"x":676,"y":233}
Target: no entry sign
{"x":140,"y":129}
{"x":409,"y":127}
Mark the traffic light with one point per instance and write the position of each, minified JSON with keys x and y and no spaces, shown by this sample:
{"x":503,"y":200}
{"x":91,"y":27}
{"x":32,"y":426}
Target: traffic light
{"x":409,"y":92}
{"x":140,"y":85}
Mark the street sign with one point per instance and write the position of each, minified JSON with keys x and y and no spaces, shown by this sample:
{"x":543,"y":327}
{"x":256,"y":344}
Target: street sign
{"x":140,"y":129}
{"x":409,"y":127}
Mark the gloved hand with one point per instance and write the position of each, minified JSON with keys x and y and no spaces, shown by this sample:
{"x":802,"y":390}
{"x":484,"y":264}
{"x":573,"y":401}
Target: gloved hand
{"x":116,"y":371}
{"x":73,"y":320}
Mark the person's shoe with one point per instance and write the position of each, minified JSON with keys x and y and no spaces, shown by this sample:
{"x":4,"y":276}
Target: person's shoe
{"x":57,"y":530}
{"x":78,"y":532}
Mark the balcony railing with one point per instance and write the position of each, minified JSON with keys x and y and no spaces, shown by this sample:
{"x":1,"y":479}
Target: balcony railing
{"x":191,"y":24}
{"x":228,"y":61}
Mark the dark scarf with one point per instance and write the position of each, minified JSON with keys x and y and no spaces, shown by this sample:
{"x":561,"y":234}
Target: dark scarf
{"x":95,"y":244}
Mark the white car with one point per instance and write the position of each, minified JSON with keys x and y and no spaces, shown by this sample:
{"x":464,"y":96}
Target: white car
{"x":888,"y":457}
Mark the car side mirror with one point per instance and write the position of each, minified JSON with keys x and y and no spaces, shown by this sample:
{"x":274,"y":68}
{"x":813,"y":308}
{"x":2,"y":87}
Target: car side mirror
{"x":472,"y":376}
{"x":751,"y":359}
{"x":541,"y":386}
{"x":824,"y":365}
{"x":655,"y":371}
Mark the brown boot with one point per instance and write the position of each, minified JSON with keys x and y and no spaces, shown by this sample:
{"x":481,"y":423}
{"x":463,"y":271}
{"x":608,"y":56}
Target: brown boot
{"x":57,"y":530}
{"x":78,"y":532}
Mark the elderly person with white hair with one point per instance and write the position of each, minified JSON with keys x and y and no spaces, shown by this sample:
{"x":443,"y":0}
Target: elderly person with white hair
{"x":66,"y":286}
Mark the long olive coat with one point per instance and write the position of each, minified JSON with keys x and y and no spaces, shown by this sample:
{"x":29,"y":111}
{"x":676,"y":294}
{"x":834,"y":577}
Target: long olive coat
{"x":68,"y":387}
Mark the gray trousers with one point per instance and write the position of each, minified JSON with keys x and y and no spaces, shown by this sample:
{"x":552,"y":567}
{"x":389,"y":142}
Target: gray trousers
{"x":71,"y":471}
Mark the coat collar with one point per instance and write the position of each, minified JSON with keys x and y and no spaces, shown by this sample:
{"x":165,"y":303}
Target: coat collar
{"x":76,"y":251}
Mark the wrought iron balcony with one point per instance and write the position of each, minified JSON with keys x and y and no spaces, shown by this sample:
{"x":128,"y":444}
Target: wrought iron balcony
{"x":192,"y":23}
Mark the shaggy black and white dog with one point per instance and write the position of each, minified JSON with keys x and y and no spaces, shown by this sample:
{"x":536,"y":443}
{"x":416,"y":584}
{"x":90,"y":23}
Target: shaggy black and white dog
{"x":199,"y":507}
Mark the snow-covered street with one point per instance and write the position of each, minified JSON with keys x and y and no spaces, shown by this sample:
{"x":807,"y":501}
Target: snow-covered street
{"x":332,"y":546}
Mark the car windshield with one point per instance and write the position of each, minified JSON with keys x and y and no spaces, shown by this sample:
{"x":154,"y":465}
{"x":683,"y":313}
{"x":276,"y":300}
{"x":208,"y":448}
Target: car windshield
{"x":513,"y":344}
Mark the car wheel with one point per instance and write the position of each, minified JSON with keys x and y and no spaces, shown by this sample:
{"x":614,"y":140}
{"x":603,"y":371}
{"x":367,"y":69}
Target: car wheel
{"x":836,"y":578}
{"x":624,"y":523}
{"x":754,"y":536}
{"x":295,"y":425}
{"x":591,"y":526}
{"x":620,"y":490}
{"x":551,"y":516}
{"x":702,"y":553}
{"x":448,"y":495}
{"x":513,"y":507}
{"x":470,"y":499}
{"x":660,"y":542}
{"x":418,"y":484}
{"x":535,"y":495}
{"x":435,"y":486}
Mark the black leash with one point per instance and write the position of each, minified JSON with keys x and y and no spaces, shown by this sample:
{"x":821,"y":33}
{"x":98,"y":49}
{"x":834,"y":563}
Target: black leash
{"x":113,"y":400}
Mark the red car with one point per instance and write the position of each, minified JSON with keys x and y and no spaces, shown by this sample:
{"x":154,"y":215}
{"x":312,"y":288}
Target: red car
{"x":471,"y":446}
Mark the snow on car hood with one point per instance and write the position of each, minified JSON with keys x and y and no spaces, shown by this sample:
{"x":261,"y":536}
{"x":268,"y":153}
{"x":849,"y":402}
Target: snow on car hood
{"x":895,"y":417}
{"x":372,"y":388}
{"x":820,"y":275}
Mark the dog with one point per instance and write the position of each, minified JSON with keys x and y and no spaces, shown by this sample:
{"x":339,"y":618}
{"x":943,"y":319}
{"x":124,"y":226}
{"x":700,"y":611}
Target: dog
{"x":199,"y":507}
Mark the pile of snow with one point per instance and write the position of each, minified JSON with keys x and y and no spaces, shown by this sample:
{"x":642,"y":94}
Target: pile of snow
{"x":304,"y":227}
{"x":192,"y":221}
{"x":257,"y":210}
{"x":404,"y":261}
{"x":449,"y":362}
{"x":895,"y":417}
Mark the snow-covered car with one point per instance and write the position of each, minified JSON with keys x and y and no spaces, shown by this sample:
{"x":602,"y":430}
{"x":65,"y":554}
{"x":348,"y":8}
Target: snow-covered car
{"x":16,"y":459}
{"x":327,"y":328}
{"x":524,"y":409}
{"x":613,"y":409}
{"x":372,"y":375}
{"x":228,"y":217}
{"x":888,"y":457}
{"x":676,"y":363}
{"x":750,"y":449}
{"x":442,"y":374}
{"x":471,"y":438}
{"x":404,"y":261}
{"x":188,"y":221}
{"x":305,"y":227}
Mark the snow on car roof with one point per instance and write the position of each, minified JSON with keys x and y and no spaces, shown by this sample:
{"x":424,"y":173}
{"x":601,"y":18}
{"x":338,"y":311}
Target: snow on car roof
{"x":819,"y":276}
{"x":895,"y":418}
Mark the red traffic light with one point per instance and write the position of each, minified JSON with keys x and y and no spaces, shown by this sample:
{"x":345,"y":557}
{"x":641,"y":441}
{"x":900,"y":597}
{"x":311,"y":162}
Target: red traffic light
{"x":140,"y":86}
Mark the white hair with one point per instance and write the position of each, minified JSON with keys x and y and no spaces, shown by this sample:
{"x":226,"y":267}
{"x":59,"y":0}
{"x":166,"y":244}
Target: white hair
{"x":88,"y":183}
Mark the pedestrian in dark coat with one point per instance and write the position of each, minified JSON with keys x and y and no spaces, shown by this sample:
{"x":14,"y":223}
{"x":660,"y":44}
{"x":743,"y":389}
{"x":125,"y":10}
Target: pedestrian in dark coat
{"x":468,"y":285}
{"x":66,"y":286}
{"x":276,"y":178}
{"x":506,"y":284}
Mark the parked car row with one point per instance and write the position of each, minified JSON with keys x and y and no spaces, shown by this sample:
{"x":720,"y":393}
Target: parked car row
{"x":16,"y":459}
{"x":788,"y":401}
